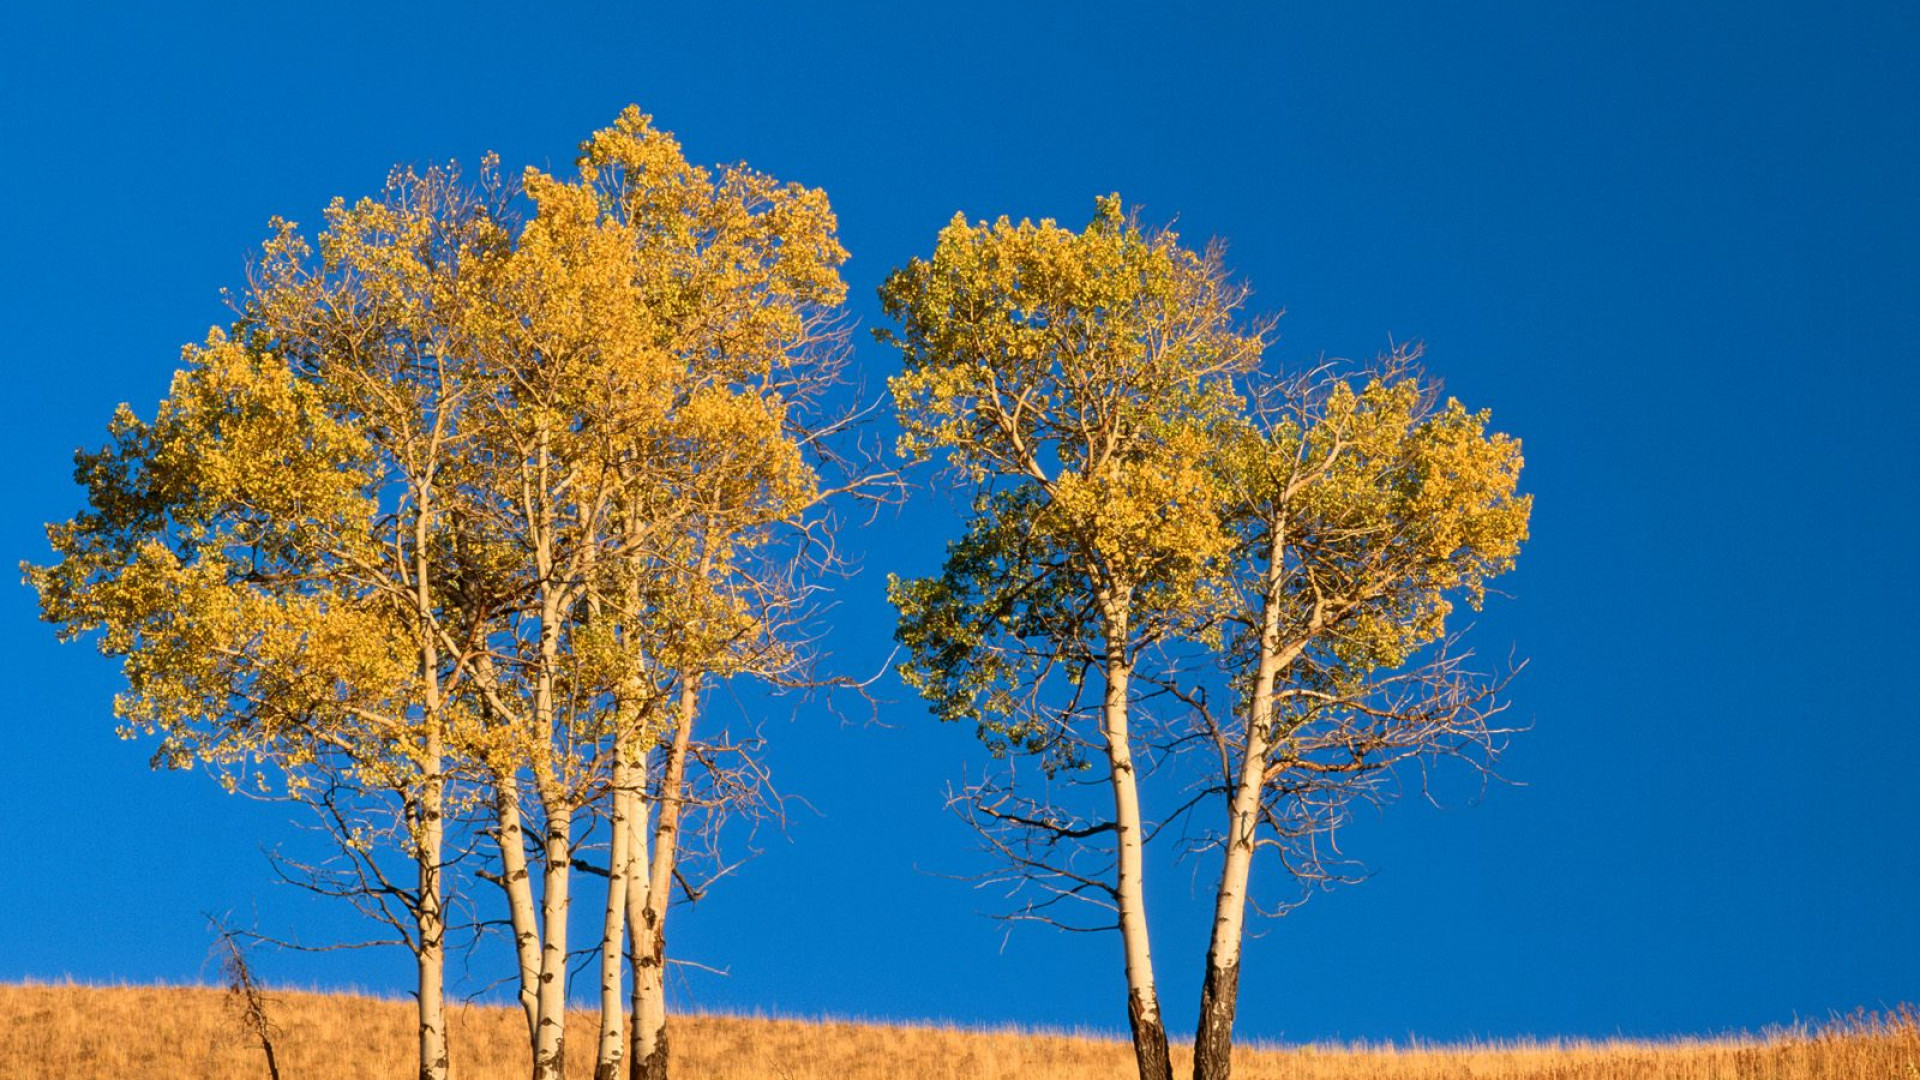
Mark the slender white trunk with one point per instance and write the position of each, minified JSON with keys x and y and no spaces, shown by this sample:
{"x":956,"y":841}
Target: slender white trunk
{"x":1143,"y":1001}
{"x":612,"y":1047}
{"x":1219,"y":993}
{"x":553,"y":781}
{"x":639,"y":946}
{"x":634,"y":813}
{"x":431,"y":919}
{"x":429,"y":915}
{"x":1213,"y":1041}
{"x":649,"y":1053}
{"x":510,"y":835}
{"x":550,"y":1041}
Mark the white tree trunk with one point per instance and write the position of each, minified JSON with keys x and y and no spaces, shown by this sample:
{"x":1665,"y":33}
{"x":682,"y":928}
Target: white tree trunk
{"x":639,"y":948}
{"x":550,"y":1041}
{"x":430,"y":827}
{"x":1143,"y":1001}
{"x":510,"y":835}
{"x":612,"y":1047}
{"x":1213,"y":1041}
{"x":649,"y":1052}
{"x":431,"y":923}
{"x":1219,"y":993}
{"x":552,"y":780}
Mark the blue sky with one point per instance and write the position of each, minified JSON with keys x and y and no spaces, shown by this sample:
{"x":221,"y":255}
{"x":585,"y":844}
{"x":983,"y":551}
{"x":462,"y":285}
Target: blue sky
{"x":1672,"y":247}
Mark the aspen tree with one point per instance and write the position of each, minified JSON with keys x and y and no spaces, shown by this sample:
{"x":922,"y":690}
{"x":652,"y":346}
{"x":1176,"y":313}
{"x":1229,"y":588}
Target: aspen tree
{"x":1363,"y":513}
{"x":478,"y":497}
{"x":1079,"y":382}
{"x":266,"y":554}
{"x":662,"y":334}
{"x":739,"y":285}
{"x":561,"y":314}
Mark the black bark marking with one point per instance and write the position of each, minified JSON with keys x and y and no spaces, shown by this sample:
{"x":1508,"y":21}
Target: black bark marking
{"x":555,"y":1067}
{"x":654,"y":1065}
{"x":429,"y":1070}
{"x":1149,"y":1040}
{"x":1213,"y":1041}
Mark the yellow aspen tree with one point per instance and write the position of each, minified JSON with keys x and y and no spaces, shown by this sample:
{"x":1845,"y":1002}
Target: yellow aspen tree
{"x":1363,"y":512}
{"x":658,"y":340}
{"x":1081,"y":383}
{"x":739,"y":288}
{"x":267,"y":555}
{"x":586,"y":432}
{"x":560,"y":316}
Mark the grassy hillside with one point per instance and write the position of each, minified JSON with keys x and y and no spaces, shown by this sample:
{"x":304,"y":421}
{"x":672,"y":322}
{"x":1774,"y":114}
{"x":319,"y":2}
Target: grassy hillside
{"x":183,"y":1033}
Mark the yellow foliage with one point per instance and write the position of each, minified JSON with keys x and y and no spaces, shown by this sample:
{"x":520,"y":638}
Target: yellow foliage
{"x":467,"y":415}
{"x":1388,"y":507}
{"x":1084,"y":383}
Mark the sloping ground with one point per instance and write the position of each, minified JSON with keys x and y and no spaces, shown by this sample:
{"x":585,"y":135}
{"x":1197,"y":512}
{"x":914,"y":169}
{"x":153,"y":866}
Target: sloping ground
{"x":65,"y":1032}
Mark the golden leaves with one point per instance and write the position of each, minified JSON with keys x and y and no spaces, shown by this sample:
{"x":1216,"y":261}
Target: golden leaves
{"x":470,"y":414}
{"x":1083,"y":381}
{"x":1092,"y":363}
{"x":1090,"y":380}
{"x":1389,"y":505}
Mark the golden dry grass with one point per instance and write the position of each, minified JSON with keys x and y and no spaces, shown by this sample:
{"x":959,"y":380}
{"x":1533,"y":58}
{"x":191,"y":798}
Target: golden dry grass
{"x":68,"y":1032}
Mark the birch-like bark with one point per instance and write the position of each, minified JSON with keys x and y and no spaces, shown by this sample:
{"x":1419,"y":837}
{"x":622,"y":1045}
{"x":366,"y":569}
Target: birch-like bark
{"x":638,"y":883}
{"x":632,"y":810}
{"x":1143,"y":1001}
{"x":1219,"y":993}
{"x":649,"y":1052}
{"x":510,"y":835}
{"x":550,"y":1041}
{"x":612,"y":1047}
{"x":429,"y":916}
{"x":552,"y":781}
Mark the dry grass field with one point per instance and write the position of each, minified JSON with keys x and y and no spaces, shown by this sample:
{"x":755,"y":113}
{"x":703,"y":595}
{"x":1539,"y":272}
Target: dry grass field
{"x":66,"y":1032}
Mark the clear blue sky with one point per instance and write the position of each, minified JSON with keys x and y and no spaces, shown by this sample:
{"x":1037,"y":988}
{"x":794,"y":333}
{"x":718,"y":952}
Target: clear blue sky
{"x":1672,"y":247}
